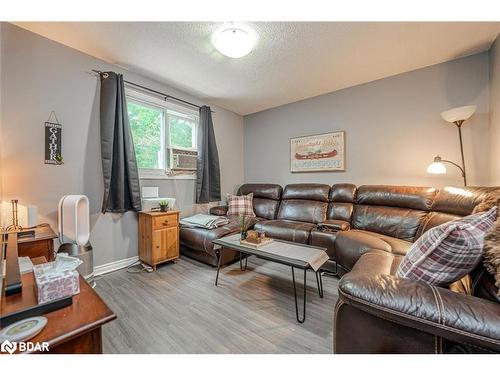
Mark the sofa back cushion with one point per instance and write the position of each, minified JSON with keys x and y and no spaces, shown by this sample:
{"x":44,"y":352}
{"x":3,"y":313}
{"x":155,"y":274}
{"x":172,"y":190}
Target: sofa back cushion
{"x":266,"y":198}
{"x":304,"y":202}
{"x":395,"y":211}
{"x":341,"y":206}
{"x":451,"y":203}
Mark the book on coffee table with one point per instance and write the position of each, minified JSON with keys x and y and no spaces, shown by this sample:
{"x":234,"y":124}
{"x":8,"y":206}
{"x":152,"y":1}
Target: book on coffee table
{"x":257,"y":245}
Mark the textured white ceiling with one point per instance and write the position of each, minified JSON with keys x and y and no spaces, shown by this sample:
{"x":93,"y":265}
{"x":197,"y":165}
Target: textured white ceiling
{"x":291,"y":61}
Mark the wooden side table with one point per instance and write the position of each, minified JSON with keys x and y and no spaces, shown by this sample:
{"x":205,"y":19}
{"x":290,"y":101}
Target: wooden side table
{"x":75,"y":329}
{"x":158,"y":237}
{"x":41,"y":245}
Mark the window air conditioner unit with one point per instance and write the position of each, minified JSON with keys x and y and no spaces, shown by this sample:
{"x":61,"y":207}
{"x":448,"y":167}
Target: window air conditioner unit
{"x":183,"y":160}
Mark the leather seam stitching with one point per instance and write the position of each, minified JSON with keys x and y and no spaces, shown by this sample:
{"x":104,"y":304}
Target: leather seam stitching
{"x":442,"y":305}
{"x":440,"y":314}
{"x":420,"y":320}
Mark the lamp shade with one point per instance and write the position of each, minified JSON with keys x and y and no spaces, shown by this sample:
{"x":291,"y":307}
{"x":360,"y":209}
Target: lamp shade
{"x":458,"y":113}
{"x":436,"y":168}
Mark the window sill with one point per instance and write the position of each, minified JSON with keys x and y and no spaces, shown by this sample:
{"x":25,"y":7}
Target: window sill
{"x":166,"y":177}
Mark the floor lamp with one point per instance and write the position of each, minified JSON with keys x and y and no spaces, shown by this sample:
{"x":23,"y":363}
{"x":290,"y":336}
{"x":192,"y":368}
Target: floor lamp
{"x":455,"y":116}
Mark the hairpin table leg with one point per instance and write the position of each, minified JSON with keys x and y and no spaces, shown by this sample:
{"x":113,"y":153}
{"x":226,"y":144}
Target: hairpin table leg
{"x":319,"y":281}
{"x":295,"y":296}
{"x":241,"y":263}
{"x":219,"y":254}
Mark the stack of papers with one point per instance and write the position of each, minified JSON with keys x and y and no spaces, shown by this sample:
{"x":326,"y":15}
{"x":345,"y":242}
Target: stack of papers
{"x":204,"y":221}
{"x":25,"y":264}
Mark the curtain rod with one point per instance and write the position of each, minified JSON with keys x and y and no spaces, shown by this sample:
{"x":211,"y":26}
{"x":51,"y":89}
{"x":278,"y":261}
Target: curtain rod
{"x":166,"y":96}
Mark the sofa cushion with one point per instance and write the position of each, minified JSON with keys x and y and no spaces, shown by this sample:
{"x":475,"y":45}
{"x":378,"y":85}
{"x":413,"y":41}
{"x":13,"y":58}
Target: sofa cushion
{"x":286,"y":230}
{"x":351,"y":244}
{"x":266,"y":198}
{"x":341,"y":206}
{"x":448,"y":252}
{"x":240,"y":205}
{"x":396,"y":211}
{"x":396,"y":222}
{"x":201,"y":239}
{"x":304,"y":202}
{"x":414,"y":197}
{"x":266,"y":191}
{"x":312,"y":192}
{"x":460,"y":201}
{"x":345,"y":193}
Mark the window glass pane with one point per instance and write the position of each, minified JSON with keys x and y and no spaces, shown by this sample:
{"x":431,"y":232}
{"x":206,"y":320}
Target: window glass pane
{"x":146,"y":126}
{"x":181,"y":131}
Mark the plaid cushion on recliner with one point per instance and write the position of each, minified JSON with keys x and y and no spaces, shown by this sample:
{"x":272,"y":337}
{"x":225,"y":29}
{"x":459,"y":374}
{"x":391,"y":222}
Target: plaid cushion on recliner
{"x":448,"y":252}
{"x":240,"y":205}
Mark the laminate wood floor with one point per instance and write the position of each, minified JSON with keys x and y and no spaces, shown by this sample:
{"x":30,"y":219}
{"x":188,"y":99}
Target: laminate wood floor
{"x":177,"y":309}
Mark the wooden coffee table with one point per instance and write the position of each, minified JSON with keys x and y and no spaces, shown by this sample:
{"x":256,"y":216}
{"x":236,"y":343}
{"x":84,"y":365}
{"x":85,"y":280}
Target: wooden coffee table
{"x":283,"y":252}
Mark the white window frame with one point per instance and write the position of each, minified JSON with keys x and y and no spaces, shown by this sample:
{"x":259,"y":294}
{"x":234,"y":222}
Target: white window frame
{"x":156,"y":102}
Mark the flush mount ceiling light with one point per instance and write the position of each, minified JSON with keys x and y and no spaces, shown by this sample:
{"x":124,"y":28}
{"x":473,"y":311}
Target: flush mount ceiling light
{"x":234,"y":41}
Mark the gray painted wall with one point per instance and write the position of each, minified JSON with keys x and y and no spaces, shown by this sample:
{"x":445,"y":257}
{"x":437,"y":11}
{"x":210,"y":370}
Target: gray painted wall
{"x":393,"y":128}
{"x":495,"y":113}
{"x":38,"y":76}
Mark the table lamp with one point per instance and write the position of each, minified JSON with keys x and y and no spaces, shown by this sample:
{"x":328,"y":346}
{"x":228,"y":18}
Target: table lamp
{"x":455,"y":116}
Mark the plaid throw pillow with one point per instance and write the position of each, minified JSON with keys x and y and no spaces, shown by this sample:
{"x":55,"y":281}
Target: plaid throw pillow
{"x":448,"y":252}
{"x":240,"y":205}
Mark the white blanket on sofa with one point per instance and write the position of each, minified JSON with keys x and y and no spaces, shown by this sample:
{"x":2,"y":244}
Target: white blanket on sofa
{"x":204,"y":221}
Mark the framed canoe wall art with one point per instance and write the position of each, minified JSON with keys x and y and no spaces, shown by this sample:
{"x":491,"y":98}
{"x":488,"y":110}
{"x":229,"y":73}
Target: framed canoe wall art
{"x":318,"y":153}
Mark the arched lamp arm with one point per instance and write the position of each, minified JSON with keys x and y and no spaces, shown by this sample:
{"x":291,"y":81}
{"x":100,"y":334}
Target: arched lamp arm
{"x":459,"y":167}
{"x":456,"y":165}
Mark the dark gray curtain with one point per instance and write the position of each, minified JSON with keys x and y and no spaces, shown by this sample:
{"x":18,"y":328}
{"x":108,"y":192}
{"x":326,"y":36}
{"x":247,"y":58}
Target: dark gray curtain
{"x":121,"y":178}
{"x":208,"y":172}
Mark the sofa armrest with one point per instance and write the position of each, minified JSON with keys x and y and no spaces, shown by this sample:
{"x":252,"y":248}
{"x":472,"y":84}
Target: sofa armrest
{"x":334,"y":225}
{"x":454,"y":316}
{"x":218,"y":210}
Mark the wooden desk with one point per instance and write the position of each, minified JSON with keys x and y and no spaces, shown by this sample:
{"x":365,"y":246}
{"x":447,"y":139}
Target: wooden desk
{"x":74,"y":329}
{"x":42,"y":245}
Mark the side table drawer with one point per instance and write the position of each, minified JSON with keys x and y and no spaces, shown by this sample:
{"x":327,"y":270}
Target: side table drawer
{"x":167,"y":221}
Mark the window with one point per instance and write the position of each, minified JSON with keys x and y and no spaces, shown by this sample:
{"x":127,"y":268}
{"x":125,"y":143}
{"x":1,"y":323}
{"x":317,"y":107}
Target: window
{"x":158,"y":126}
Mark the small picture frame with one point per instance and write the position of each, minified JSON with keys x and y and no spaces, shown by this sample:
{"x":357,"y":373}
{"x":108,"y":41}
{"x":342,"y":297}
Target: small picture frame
{"x":53,"y":135}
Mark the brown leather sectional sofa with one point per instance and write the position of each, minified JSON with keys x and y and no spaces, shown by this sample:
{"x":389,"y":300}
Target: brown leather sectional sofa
{"x":367,"y":230}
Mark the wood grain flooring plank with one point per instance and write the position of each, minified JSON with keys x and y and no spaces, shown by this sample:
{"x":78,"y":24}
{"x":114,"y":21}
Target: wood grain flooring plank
{"x":177,"y":309}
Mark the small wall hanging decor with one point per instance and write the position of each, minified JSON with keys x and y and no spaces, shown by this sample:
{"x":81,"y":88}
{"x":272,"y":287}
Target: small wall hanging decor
{"x":318,"y":153}
{"x":53,"y":140}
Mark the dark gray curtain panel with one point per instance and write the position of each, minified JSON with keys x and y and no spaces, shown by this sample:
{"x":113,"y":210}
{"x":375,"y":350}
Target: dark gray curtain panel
{"x":208,"y":172}
{"x":122,"y":190}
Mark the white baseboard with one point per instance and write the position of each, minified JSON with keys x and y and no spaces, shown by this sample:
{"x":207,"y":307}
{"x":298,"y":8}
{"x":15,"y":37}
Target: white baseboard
{"x":114,"y":266}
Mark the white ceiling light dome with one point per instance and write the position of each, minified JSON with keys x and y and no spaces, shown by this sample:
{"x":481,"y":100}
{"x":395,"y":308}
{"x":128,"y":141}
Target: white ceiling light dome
{"x":234,"y":40}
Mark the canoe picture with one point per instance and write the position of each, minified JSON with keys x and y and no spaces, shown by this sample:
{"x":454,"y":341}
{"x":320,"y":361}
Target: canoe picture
{"x":317,"y":153}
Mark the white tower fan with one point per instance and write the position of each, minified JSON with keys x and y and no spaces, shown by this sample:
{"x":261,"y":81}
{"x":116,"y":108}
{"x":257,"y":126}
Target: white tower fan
{"x":74,"y":233}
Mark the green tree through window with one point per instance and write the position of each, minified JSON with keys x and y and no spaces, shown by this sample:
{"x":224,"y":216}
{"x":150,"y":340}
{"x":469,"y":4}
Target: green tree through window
{"x":154,"y":129}
{"x":181,"y":131}
{"x":146,"y":124}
